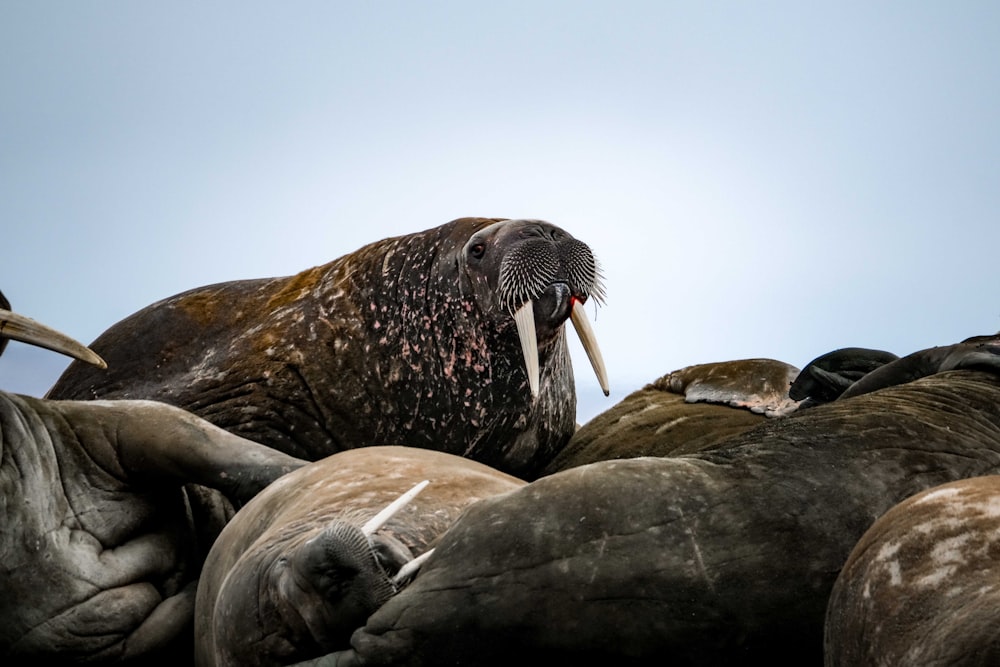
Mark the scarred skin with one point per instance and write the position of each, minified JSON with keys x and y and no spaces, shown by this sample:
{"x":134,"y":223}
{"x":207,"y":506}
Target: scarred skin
{"x":102,"y":541}
{"x":686,"y":411}
{"x":404,"y":341}
{"x":291,"y":576}
{"x":922,"y":586}
{"x":710,"y":558}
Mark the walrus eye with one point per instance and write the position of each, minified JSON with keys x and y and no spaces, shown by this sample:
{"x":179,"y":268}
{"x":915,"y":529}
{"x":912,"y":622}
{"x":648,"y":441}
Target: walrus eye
{"x":477,"y":250}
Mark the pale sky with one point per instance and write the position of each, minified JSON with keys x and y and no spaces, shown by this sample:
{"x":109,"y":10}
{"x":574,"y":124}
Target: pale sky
{"x":758,"y":179}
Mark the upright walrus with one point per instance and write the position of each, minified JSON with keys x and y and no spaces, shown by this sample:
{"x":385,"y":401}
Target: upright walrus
{"x":415,"y":340}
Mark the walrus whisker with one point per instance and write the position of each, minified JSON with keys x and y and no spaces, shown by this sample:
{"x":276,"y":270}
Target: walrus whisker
{"x":379,"y":519}
{"x":524,"y":317}
{"x":410,"y":568}
{"x":589,"y":342}
{"x":26,"y":330}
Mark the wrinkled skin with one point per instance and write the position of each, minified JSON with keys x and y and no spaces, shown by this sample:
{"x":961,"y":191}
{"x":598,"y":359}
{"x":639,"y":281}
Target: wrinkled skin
{"x":405,"y":341}
{"x":686,"y":411}
{"x":101,"y":542}
{"x":292,"y":576}
{"x":922,"y":587}
{"x":710,"y":558}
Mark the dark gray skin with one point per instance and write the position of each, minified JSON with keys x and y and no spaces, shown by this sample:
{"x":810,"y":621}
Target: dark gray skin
{"x":105,"y":525}
{"x":922,"y":586}
{"x":712,"y":558}
{"x":826,"y":377}
{"x":101,"y":543}
{"x":406,"y":341}
{"x":292,"y":575}
{"x":685,"y":411}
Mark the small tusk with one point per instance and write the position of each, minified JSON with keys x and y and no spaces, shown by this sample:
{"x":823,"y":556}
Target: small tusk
{"x":589,"y":341}
{"x":411,"y":567}
{"x":379,"y":519}
{"x":525,"y":319}
{"x":24,"y":329}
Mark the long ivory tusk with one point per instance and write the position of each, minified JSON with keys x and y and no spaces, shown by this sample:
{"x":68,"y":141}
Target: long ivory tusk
{"x":379,"y":519}
{"x":24,"y":329}
{"x":525,"y":319}
{"x":411,"y":567}
{"x":589,"y":341}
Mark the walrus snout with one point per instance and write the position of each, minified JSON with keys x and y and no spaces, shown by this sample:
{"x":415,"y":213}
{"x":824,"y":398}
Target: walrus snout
{"x":545,"y":277}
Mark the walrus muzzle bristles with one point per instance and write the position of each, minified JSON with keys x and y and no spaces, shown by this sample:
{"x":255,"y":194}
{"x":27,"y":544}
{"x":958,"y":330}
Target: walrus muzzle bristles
{"x":26,"y":330}
{"x":533,"y":267}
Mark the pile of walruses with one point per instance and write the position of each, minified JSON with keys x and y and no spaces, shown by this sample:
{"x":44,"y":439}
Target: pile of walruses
{"x":376,"y":462}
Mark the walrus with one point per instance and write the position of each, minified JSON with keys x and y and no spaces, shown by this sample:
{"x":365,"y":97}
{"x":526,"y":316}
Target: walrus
{"x":104,"y":531}
{"x":451,"y":339}
{"x":829,"y":375}
{"x":973,"y":352}
{"x":293,"y":574}
{"x":684,"y":411}
{"x":707,"y":558}
{"x":922,"y":586}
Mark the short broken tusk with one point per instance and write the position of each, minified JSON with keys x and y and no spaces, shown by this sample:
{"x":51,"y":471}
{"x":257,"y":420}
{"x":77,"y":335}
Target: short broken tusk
{"x":524,"y":317}
{"x":379,"y":519}
{"x":26,"y":330}
{"x":589,"y":341}
{"x":411,"y":567}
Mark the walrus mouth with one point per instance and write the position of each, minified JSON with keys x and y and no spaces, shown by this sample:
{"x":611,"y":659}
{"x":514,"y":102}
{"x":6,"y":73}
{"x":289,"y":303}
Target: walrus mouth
{"x":562,"y":276}
{"x":26,"y":330}
{"x":524,"y":317}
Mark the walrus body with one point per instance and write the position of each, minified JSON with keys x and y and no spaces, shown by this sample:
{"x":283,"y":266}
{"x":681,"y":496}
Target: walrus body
{"x":108,"y":509}
{"x":101,"y":542}
{"x":291,"y":577}
{"x":922,"y":586}
{"x":686,"y":411}
{"x":709,"y":558}
{"x":406,"y":341}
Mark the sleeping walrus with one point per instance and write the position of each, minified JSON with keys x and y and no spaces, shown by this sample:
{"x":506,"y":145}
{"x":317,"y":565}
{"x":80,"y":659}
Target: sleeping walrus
{"x":102,"y":539}
{"x":302,"y":565}
{"x":708,"y":558}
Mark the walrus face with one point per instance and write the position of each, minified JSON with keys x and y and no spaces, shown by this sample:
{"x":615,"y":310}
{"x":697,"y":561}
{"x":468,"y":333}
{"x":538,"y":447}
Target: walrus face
{"x":337,"y":578}
{"x":539,"y":275}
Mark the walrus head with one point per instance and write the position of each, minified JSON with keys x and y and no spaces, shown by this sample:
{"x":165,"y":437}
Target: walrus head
{"x":542,"y":276}
{"x":26,"y":330}
{"x":451,"y":339}
{"x":327,"y":586}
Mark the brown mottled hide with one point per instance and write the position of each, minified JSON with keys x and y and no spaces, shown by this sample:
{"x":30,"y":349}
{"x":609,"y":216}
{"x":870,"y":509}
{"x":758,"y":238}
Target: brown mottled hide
{"x":401,"y":342}
{"x":246,"y":614}
{"x":922,"y":586}
{"x":712,"y":558}
{"x":685,"y":411}
{"x":100,"y":540}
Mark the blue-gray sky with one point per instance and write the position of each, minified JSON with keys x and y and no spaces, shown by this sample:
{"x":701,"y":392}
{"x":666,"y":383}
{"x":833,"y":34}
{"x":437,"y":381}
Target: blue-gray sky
{"x":765,"y":179}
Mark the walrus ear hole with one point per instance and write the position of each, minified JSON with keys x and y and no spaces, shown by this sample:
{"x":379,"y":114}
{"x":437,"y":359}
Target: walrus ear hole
{"x":477,"y":250}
